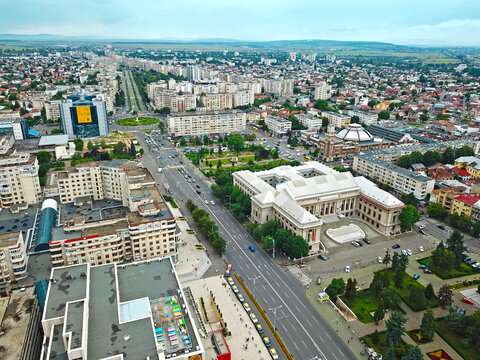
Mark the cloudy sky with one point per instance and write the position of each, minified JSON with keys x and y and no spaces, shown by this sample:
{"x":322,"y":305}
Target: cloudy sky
{"x":430,"y":22}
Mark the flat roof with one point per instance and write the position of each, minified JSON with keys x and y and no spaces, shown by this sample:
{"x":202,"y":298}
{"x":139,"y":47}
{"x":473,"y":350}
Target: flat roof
{"x":48,"y":140}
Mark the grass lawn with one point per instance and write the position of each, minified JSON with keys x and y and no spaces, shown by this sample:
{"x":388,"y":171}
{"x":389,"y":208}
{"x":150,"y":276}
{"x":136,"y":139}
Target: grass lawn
{"x":126,"y":122}
{"x":404,"y":293}
{"x":454,"y":340}
{"x":381,"y":345}
{"x":362,"y":306}
{"x":415,"y":336}
{"x":142,"y":121}
{"x":463,"y":271}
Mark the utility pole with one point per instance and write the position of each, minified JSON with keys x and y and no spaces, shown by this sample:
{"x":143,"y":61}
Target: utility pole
{"x":273,"y":249}
{"x":275,"y":316}
{"x":254,"y":279}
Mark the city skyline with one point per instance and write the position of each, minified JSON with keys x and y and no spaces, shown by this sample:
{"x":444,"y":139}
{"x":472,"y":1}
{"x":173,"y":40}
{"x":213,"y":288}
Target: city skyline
{"x":408,"y":23}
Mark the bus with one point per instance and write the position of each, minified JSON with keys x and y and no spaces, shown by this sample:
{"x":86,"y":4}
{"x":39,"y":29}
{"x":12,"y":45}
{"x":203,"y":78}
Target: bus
{"x":307,"y":158}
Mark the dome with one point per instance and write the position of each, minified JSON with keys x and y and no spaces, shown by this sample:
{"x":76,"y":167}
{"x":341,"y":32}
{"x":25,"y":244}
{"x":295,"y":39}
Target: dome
{"x":354,"y":132}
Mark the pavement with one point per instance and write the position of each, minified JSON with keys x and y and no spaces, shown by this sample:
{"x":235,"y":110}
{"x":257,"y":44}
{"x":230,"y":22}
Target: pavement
{"x":234,"y":315}
{"x":305,"y":334}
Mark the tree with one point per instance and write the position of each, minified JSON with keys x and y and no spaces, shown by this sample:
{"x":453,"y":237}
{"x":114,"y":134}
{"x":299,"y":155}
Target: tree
{"x":235,"y":142}
{"x":375,"y":337}
{"x":427,"y":327}
{"x":90,"y":146}
{"x":416,"y":157}
{"x":268,"y":243}
{"x":390,"y":353}
{"x":410,"y":199}
{"x":455,"y":245}
{"x":336,"y":287}
{"x":78,"y":144}
{"x":476,"y":228}
{"x":448,"y":156}
{"x":431,"y":157}
{"x":43,"y":156}
{"x":437,"y":211}
{"x":380,"y":281}
{"x":133,"y":151}
{"x":404,"y":161}
{"x":460,"y":222}
{"x":355,"y":119}
{"x":408,"y":217}
{"x":321,"y":105}
{"x":351,"y":288}
{"x":445,"y":296}
{"x":118,"y":148}
{"x":183,"y":142}
{"x":389,"y":299}
{"x":219,"y":245}
{"x":414,"y":354}
{"x":378,"y":315}
{"x":384,"y":115}
{"x":464,"y":151}
{"x":443,"y":259}
{"x":417,"y":296}
{"x":387,"y":258}
{"x":429,"y":293}
{"x":395,"y":328}
{"x":299,"y":247}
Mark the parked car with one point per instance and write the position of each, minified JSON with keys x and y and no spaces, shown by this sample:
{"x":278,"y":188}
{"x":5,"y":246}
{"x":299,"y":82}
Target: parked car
{"x":461,"y":312}
{"x":427,"y":271}
{"x":323,"y":257}
{"x":396,"y":246}
{"x":230,"y":281}
{"x":409,"y":252}
{"x":212,"y":202}
{"x":421,"y":226}
{"x":199,"y":192}
{"x":241,"y":298}
{"x":416,"y":276}
{"x":420,"y":248}
{"x":467,"y":249}
{"x":347,"y":268}
{"x":380,"y":260}
{"x":367,"y":241}
{"x":267,"y":342}
{"x":404,"y":252}
{"x":356,"y":243}
{"x":441,"y":227}
{"x":422,"y":267}
{"x":467,"y":301}
{"x":253,"y":317}
{"x":259,"y":328}
{"x":235,"y":289}
{"x":274,"y":354}
{"x":206,"y":202}
{"x":246,"y":306}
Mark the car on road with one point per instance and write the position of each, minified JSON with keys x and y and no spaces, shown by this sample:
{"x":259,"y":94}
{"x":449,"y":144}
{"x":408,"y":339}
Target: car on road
{"x":267,"y":342}
{"x":396,"y":246}
{"x":212,"y":202}
{"x":427,"y":271}
{"x":253,"y":317}
{"x":230,"y":281}
{"x":323,"y":257}
{"x":206,"y":202}
{"x":259,"y":328}
{"x":241,"y":298}
{"x":409,"y":252}
{"x":367,"y":241}
{"x":467,"y":301}
{"x":380,"y":260}
{"x":273,"y":354}
{"x":416,"y":276}
{"x":235,"y":289}
{"x":421,"y":232}
{"x":199,"y":192}
{"x":461,"y":312}
{"x":347,"y":268}
{"x":251,"y":248}
{"x":441,"y":227}
{"x":420,"y":248}
{"x":246,"y":306}
{"x":421,"y":226}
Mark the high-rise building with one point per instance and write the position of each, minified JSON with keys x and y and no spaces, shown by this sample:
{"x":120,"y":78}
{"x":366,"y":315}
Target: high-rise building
{"x":84,"y":116}
{"x":193,"y":74}
{"x":280,"y":87}
{"x":322,"y":91}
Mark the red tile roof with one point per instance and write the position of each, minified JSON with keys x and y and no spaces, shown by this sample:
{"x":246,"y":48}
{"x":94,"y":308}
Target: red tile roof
{"x":468,"y":199}
{"x":461,"y":172}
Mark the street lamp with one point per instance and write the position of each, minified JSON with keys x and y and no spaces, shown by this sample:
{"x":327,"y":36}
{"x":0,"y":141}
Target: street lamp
{"x":254,"y":279}
{"x":275,"y":316}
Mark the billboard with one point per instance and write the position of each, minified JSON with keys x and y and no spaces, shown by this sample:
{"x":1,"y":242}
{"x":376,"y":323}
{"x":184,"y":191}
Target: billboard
{"x":84,"y":115}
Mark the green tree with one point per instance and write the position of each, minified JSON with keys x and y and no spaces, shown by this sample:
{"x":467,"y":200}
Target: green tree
{"x":460,"y":222}
{"x":416,"y":157}
{"x":414,"y":353}
{"x":236,"y":143}
{"x":429,"y":293}
{"x":387,"y":258}
{"x":443,"y":259}
{"x":408,"y":217}
{"x":395,"y":328}
{"x":390,"y":354}
{"x":384,"y":115}
{"x":448,"y":156}
{"x":405,"y":161}
{"x":219,"y":245}
{"x":90,"y":146}
{"x":78,"y":144}
{"x":268,"y":243}
{"x":183,"y":142}
{"x":380,"y":281}
{"x":299,"y":247}
{"x":43,"y":157}
{"x":270,"y":227}
{"x":464,"y":151}
{"x":355,"y":119}
{"x":455,"y":245}
{"x":118,"y":148}
{"x":375,"y":337}
{"x":133,"y":151}
{"x":410,"y":199}
{"x":431,"y":157}
{"x":336,"y":287}
{"x":321,"y":105}
{"x":417,"y":296}
{"x":378,"y":315}
{"x":436,"y":211}
{"x":427,"y":327}
{"x":389,"y":299}
{"x":351,"y":288}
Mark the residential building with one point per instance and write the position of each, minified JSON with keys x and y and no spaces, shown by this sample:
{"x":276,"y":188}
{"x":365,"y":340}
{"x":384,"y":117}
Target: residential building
{"x":445,"y":196}
{"x":20,"y":320}
{"x":194,"y":74}
{"x":243,"y":97}
{"x":279,"y":87}
{"x":399,"y":179}
{"x":115,"y":312}
{"x":218,"y":101}
{"x":336,"y":119}
{"x":17,"y":127}
{"x":19,"y":182}
{"x":176,"y":101}
{"x":13,"y":260}
{"x":463,"y":204}
{"x":311,"y":122}
{"x":298,"y":198}
{"x":206,"y":123}
{"x":365,"y":117}
{"x":440,"y":173}
{"x":471,"y":164}
{"x":52,"y":109}
{"x":84,"y":116}
{"x":141,"y":226}
{"x":278,"y":125}
{"x":321,"y":90}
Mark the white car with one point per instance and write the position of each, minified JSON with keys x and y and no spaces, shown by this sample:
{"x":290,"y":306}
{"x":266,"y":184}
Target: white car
{"x":420,"y":248}
{"x":206,"y":202}
{"x":421,"y":226}
{"x":212,"y":202}
{"x":409,"y":252}
{"x":347,"y":268}
{"x":254,"y":318}
{"x":380,"y":260}
{"x":274,"y":354}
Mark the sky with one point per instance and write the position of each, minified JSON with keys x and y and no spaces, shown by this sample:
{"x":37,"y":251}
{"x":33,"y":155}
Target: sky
{"x":415,"y":22}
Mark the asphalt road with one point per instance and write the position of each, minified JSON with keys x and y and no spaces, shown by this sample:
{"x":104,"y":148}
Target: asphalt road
{"x":304,"y":332}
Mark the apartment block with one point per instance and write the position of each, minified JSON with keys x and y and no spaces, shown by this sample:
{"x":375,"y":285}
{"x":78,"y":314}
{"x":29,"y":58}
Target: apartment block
{"x":13,"y":260}
{"x":365,"y":117}
{"x":400,"y":179}
{"x":279,"y":87}
{"x":176,"y":101}
{"x":218,"y":101}
{"x":208,"y":123}
{"x":52,"y":109}
{"x":321,"y":90}
{"x":118,"y":312}
{"x":445,"y":196}
{"x":243,"y":97}
{"x":19,"y":182}
{"x":337,"y":119}
{"x":278,"y":125}
{"x":311,"y":122}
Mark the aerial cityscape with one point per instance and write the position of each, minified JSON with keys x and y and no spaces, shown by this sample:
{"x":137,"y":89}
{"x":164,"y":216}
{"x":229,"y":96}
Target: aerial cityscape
{"x":247,"y":180}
